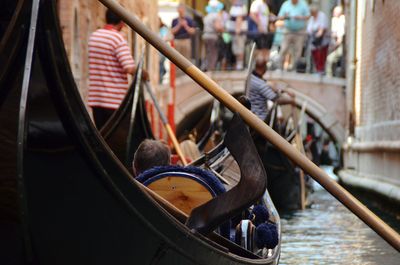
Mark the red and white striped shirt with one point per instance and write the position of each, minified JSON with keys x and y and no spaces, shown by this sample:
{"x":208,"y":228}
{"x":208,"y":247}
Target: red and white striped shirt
{"x":109,"y":60}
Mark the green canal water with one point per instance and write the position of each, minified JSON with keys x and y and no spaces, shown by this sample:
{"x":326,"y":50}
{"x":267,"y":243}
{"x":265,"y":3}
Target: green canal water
{"x":328,"y":233}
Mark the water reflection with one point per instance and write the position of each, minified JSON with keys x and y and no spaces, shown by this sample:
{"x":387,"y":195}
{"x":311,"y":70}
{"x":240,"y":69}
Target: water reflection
{"x":328,"y":233}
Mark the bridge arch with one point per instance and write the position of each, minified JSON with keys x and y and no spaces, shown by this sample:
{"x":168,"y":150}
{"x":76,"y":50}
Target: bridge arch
{"x":192,"y":99}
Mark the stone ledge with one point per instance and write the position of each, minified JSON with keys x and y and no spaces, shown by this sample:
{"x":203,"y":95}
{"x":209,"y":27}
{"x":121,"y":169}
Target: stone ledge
{"x":376,"y":146}
{"x":308,"y":78}
{"x":381,"y":131}
{"x":354,"y":179}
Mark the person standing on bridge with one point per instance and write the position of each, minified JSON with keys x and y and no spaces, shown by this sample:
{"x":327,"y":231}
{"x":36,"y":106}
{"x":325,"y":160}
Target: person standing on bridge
{"x":337,"y":31}
{"x":110,"y":60}
{"x":295,"y":13}
{"x":317,"y":29}
{"x":213,"y":27}
{"x":260,"y":92}
{"x":183,"y":27}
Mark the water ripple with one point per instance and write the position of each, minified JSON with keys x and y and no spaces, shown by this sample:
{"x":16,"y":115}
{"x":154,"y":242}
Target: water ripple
{"x":328,"y":233}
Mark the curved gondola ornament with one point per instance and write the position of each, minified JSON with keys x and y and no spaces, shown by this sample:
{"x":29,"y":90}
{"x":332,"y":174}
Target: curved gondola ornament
{"x":251,"y":187}
{"x":22,"y":126}
{"x":354,"y":205}
{"x":214,"y":118}
{"x":137,"y":85}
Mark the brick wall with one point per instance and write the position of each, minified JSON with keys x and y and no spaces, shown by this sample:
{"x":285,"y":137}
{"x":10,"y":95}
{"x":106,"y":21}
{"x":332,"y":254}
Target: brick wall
{"x":379,"y":70}
{"x":374,"y":154}
{"x":79,"y":19}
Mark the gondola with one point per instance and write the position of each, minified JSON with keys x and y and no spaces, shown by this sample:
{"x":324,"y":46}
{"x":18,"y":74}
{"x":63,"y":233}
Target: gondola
{"x":287,"y":184}
{"x":77,"y":203}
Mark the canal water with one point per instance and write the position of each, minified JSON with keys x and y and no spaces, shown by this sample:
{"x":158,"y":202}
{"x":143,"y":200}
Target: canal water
{"x":328,"y":233}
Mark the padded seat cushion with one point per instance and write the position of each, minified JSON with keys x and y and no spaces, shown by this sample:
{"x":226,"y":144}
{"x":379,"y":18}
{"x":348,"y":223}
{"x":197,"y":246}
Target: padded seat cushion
{"x":210,"y":179}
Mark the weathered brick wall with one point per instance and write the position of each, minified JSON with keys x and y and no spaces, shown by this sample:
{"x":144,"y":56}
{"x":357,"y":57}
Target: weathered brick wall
{"x":380,"y":71}
{"x":79,"y":18}
{"x":372,"y":158}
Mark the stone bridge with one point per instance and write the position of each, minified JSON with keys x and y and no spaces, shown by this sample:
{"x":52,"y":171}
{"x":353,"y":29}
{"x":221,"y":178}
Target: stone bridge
{"x":325,"y":97}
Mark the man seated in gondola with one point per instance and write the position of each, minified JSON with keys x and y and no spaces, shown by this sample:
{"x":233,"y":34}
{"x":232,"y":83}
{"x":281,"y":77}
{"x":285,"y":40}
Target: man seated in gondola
{"x":150,"y":153}
{"x":260,"y":92}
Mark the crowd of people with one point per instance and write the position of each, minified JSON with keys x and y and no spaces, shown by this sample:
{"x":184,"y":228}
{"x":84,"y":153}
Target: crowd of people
{"x":295,"y":29}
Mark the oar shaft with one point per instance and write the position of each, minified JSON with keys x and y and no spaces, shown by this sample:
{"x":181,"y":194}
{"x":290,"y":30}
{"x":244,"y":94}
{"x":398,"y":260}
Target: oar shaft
{"x":386,"y":232}
{"x":176,"y":144}
{"x":167,"y":126}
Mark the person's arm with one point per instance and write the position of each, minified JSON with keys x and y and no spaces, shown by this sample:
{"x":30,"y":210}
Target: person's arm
{"x":125,"y":58}
{"x":283,"y":14}
{"x":189,"y":26}
{"x":218,"y":25}
{"x":176,"y":26}
{"x":285,"y":99}
{"x":254,"y":9}
{"x":301,"y":17}
{"x":254,"y":17}
{"x":132,"y":71}
{"x":282,"y":96}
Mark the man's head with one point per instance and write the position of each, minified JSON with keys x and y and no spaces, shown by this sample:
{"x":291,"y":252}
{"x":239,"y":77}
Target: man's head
{"x":337,"y":11}
{"x":113,"y":19}
{"x":261,"y":64}
{"x":295,"y":2}
{"x":314,"y":10}
{"x":181,"y":10}
{"x":150,"y":153}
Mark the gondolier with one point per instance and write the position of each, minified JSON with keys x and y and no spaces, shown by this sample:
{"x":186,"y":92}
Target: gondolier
{"x":110,"y":60}
{"x":260,"y":92}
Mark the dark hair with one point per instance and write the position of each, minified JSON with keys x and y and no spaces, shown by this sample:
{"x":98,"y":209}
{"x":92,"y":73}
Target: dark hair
{"x":112,"y":18}
{"x":151,"y":153}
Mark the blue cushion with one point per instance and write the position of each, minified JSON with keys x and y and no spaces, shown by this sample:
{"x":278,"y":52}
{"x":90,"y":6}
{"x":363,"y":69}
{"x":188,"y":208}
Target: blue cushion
{"x":203,"y":174}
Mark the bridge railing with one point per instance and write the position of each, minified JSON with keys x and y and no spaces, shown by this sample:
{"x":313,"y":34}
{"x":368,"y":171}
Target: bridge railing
{"x":303,"y":65}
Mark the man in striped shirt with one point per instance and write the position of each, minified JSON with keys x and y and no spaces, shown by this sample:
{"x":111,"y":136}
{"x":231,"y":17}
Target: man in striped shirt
{"x":260,"y":92}
{"x":110,"y":61}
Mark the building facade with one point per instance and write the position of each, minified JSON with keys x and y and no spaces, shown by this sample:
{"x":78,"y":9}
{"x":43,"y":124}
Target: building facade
{"x":79,"y":19}
{"x":372,"y":153}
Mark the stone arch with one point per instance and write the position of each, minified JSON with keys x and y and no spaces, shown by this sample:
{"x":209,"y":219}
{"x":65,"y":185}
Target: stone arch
{"x":233,"y":83}
{"x":322,"y":116}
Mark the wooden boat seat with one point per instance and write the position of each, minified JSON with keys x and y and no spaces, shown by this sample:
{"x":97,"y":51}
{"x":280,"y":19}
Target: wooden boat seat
{"x":185,"y":187}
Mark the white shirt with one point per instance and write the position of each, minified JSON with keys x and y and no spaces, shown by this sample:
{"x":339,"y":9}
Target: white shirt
{"x":315,"y":23}
{"x":338,"y":26}
{"x":260,"y":8}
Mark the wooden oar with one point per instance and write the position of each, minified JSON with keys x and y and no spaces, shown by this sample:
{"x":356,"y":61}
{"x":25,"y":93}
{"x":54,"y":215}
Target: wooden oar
{"x":166,"y":124}
{"x":380,"y":227}
{"x":300,"y":147}
{"x":298,"y":123}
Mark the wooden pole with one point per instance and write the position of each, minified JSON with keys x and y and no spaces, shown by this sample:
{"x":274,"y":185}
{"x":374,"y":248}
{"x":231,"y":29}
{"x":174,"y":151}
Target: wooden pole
{"x":164,"y":120}
{"x":171,"y":94}
{"x":299,"y":145}
{"x":373,"y":221}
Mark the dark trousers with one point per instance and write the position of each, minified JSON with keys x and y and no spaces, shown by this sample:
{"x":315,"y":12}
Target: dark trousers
{"x":101,"y":116}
